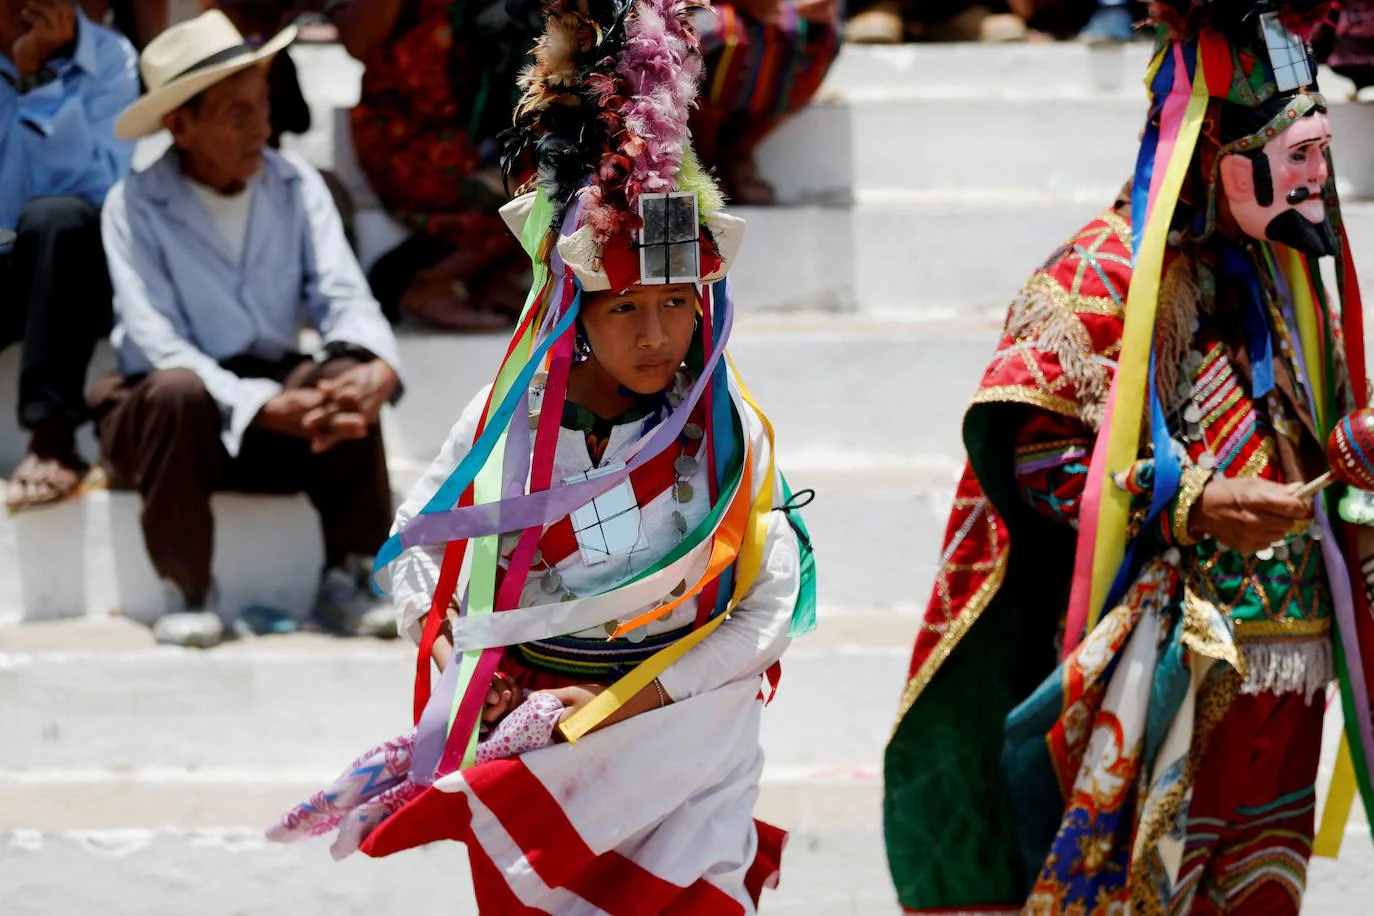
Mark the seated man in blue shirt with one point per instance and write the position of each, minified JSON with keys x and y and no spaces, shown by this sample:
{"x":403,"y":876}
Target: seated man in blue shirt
{"x":63,"y":81}
{"x":220,"y":254}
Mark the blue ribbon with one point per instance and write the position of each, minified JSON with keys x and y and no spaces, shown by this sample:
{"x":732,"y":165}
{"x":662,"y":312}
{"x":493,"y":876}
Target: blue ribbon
{"x":1258,"y":340}
{"x":452,"y":490}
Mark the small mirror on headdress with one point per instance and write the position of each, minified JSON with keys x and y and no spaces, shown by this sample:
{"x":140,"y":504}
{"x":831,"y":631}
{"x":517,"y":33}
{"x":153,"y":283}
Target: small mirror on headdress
{"x":1287,"y":54}
{"x":668,"y":243}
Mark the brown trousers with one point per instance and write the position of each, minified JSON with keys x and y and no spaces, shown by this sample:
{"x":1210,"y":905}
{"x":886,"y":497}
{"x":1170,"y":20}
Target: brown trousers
{"x":160,"y":433}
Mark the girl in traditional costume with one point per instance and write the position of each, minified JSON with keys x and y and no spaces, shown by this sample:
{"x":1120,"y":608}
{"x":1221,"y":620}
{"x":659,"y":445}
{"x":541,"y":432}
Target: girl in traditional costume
{"x":1133,"y":513}
{"x":603,"y":560}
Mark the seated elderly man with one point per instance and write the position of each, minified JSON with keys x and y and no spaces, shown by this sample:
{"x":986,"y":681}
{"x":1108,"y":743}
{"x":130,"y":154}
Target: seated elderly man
{"x":63,"y":81}
{"x":219,"y":254}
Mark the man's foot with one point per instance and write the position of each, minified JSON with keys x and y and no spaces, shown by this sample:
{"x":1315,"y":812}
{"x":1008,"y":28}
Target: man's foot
{"x":1109,"y":25}
{"x":880,"y":24}
{"x":345,"y":606}
{"x":441,"y":298}
{"x":50,"y":472}
{"x":200,"y":629}
{"x":744,"y":186}
{"x":191,"y":624}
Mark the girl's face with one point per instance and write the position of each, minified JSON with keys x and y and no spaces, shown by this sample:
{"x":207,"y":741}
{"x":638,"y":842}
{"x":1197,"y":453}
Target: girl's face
{"x":641,"y":336}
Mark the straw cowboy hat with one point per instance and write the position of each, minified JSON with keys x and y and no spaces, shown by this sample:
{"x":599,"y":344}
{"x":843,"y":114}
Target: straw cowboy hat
{"x":186,"y":60}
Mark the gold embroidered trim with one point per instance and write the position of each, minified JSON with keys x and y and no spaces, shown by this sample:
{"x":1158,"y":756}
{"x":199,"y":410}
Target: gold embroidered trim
{"x":1288,"y":628}
{"x":1020,"y":394}
{"x":952,"y":636}
{"x":1195,"y":480}
{"x":1206,"y":629}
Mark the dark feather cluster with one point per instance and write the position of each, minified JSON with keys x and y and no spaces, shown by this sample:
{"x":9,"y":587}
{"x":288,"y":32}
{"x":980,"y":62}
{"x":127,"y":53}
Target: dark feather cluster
{"x":563,"y":120}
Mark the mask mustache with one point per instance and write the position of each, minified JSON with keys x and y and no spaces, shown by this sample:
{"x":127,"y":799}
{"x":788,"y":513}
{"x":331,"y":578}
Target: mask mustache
{"x":1299,"y":195}
{"x":1316,"y":239}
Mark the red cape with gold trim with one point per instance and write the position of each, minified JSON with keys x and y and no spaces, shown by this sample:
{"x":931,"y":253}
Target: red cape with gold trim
{"x":951,"y":842}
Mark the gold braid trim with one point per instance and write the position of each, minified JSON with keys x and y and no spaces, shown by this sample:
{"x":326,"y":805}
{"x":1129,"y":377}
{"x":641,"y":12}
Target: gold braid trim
{"x":1194,"y":481}
{"x":1021,"y":394}
{"x":958,"y":628}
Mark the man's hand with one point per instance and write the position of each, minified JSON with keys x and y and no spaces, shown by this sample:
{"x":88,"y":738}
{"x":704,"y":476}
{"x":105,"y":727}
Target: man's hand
{"x":51,"y":24}
{"x":1247,"y":513}
{"x":286,"y":412}
{"x":361,"y":389}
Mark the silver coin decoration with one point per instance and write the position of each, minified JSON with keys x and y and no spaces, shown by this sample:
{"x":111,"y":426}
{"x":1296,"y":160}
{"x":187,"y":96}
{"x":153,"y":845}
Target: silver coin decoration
{"x":1207,"y":461}
{"x":1266,"y":554}
{"x":1192,"y":414}
{"x":685,"y":466}
{"x":550,"y":582}
{"x":636,"y":635}
{"x":610,"y":627}
{"x":693,"y":431}
{"x":534,"y":420}
{"x":682,"y":491}
{"x":679,"y":589}
{"x":680,"y":521}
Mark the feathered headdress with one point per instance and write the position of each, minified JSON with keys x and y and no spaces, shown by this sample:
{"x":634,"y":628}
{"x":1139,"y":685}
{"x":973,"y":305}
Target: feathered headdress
{"x":604,"y":113}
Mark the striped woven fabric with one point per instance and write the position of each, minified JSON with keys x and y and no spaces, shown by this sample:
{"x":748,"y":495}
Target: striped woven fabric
{"x":1250,"y":825}
{"x":765,"y":70}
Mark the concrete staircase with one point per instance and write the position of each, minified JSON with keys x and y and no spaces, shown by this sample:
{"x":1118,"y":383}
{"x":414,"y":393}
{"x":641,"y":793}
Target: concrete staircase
{"x":918,"y":194}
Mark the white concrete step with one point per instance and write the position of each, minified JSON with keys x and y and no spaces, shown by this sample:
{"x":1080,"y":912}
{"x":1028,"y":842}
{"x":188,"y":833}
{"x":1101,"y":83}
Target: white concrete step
{"x":1056,"y":119}
{"x":839,"y":389}
{"x":233,"y":872}
{"x":295,"y":705}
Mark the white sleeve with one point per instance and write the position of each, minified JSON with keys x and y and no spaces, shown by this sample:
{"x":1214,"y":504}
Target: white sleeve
{"x":415,"y":573}
{"x":756,"y":633}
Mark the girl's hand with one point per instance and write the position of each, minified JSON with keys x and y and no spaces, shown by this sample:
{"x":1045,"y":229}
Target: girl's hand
{"x":574,"y":699}
{"x":502,"y":697}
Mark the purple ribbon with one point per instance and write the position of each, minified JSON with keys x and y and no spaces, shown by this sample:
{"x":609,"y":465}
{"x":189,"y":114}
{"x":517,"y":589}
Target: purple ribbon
{"x":1338,"y":574}
{"x":546,"y":506}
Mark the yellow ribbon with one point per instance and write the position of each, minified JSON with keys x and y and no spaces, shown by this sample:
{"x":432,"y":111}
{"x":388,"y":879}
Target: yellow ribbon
{"x":750,"y":560}
{"x":1128,"y":407}
{"x":1340,"y":798}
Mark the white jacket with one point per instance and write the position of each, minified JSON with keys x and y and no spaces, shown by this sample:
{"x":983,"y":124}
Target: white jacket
{"x":744,"y":646}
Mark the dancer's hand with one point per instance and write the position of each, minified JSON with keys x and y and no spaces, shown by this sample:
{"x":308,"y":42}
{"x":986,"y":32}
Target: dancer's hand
{"x":574,"y":699}
{"x":502,"y":697}
{"x":1248,"y":513}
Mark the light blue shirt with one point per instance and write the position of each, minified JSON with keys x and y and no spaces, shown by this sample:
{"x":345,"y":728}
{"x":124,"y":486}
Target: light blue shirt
{"x":58,"y":139}
{"x":181,"y":300}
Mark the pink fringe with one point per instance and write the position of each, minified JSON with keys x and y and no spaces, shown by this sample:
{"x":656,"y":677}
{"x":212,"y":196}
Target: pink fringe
{"x":660,"y":67}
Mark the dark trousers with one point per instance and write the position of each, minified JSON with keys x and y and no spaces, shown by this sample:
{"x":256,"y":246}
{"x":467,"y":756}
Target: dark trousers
{"x":55,"y":297}
{"x":161,"y":433}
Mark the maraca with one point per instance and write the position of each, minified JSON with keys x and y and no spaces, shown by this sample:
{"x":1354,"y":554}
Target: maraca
{"x":1350,"y":451}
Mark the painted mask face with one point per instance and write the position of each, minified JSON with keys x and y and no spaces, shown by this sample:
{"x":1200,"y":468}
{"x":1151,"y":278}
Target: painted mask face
{"x":1276,"y":192}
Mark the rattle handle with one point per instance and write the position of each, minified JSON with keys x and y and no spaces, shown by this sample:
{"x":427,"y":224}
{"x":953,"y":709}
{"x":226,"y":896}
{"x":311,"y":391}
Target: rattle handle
{"x":1313,"y":487}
